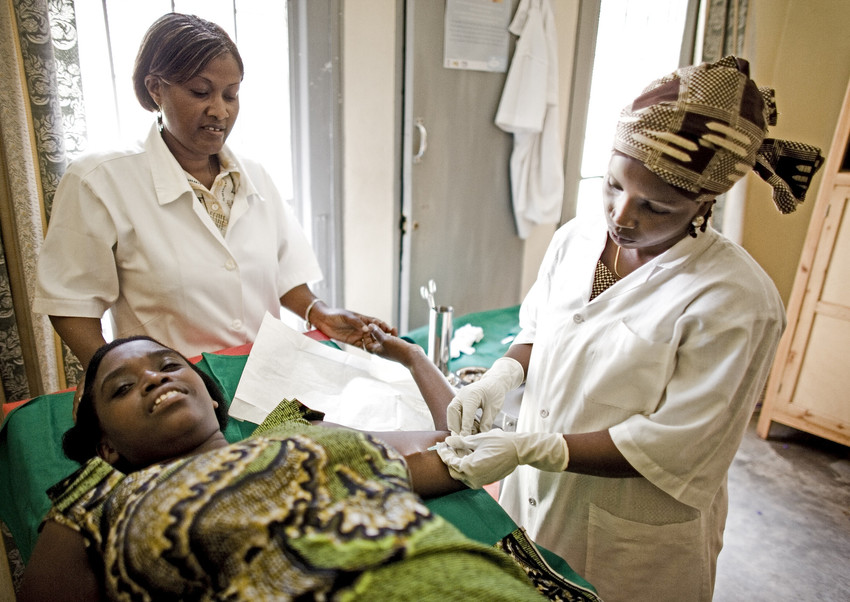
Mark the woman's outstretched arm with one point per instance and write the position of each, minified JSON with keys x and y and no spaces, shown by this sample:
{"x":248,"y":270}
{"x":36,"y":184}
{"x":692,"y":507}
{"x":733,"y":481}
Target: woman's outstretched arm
{"x":429,"y":475}
{"x":434,"y":387}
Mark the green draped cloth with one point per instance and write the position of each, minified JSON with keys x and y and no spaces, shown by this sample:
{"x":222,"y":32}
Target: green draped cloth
{"x":499,"y":326}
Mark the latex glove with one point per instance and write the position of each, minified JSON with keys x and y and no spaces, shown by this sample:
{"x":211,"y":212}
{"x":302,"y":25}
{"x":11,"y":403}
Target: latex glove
{"x":506,"y":374}
{"x":485,"y":458}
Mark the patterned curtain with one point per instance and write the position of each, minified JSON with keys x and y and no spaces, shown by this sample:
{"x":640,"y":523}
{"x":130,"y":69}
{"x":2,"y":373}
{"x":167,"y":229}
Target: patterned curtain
{"x":42,"y":125}
{"x":725,"y":26}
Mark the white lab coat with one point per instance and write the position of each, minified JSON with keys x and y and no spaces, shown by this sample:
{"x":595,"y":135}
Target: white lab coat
{"x":671,"y":360}
{"x":128,"y":234}
{"x":529,"y":110}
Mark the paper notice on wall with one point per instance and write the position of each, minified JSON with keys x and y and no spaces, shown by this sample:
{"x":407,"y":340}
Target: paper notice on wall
{"x":476,"y":35}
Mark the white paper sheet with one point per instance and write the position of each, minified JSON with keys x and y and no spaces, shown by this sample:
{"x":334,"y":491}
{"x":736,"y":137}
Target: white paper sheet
{"x":360,"y":392}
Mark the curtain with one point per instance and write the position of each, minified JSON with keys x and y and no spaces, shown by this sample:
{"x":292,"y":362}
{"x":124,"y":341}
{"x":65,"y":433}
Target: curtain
{"x":725,"y":25}
{"x":42,"y":125}
{"x":724,"y":32}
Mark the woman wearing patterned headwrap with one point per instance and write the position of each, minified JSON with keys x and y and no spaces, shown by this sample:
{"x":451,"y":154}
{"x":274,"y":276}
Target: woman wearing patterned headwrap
{"x":646,"y":341}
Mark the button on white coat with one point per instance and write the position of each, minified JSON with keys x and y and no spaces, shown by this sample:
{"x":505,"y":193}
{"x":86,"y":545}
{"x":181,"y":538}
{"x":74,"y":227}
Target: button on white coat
{"x":230,"y":265}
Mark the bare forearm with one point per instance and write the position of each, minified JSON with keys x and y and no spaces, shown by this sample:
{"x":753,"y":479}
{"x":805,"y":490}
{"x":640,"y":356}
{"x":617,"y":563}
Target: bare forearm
{"x":298,"y":299}
{"x":83,"y":336}
{"x":429,"y":475}
{"x":434,"y":387}
{"x":595,"y":454}
{"x":521,"y":352}
{"x":59,"y":568}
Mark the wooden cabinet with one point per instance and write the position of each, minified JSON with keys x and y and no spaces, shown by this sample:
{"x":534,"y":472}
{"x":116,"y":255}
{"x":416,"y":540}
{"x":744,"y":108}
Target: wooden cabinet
{"x":809,"y":386}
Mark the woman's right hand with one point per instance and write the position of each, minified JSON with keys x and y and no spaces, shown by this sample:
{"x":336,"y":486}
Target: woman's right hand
{"x":347,"y":326}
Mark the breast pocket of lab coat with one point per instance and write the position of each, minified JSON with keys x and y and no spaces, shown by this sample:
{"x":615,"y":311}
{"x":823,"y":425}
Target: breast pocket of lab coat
{"x":628,"y":560}
{"x":627,"y":371}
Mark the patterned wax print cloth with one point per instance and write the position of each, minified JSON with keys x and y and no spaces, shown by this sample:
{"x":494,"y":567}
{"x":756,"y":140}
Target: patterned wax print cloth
{"x":702,"y":128}
{"x":295,"y":510}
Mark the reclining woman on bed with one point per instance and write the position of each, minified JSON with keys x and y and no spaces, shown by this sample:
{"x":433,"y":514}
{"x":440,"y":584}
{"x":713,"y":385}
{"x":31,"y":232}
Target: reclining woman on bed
{"x":164,"y":508}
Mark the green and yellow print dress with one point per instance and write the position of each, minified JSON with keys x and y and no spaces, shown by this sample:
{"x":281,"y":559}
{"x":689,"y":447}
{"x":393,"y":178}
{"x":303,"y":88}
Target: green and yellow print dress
{"x":294,"y":512}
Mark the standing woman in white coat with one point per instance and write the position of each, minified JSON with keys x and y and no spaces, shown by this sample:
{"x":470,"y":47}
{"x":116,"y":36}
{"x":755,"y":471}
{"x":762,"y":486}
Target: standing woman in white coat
{"x":646,"y":341}
{"x":180,"y":238}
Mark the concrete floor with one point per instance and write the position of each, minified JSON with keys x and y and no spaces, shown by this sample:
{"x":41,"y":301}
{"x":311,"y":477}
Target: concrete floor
{"x":788,"y":531}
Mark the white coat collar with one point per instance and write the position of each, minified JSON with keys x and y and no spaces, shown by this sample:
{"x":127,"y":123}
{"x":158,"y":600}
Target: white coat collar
{"x":674,"y":257}
{"x":169,"y":178}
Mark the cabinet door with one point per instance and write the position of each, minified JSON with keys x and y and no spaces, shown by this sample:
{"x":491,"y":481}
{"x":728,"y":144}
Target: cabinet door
{"x":812,"y":392}
{"x":459,"y":226}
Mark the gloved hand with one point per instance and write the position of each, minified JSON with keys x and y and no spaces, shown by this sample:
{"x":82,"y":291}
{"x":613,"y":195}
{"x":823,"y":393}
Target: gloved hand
{"x":485,"y":458}
{"x":488,"y":394}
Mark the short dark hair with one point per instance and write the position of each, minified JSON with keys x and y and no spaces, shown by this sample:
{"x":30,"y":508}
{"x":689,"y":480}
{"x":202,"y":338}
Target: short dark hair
{"x":176,"y":48}
{"x":80,"y":441}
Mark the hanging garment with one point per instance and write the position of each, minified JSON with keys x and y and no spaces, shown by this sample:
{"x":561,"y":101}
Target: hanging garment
{"x":529,"y":110}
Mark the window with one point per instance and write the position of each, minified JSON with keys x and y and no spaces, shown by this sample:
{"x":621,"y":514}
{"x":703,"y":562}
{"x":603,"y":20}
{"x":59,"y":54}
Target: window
{"x":636,"y":42}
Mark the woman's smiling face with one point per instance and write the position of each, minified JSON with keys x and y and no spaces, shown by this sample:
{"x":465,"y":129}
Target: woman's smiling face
{"x":644,"y":212}
{"x":151,"y":404}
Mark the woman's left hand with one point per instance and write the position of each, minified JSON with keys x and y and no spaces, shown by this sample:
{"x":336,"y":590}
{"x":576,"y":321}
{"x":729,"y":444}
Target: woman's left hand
{"x":392,"y":347}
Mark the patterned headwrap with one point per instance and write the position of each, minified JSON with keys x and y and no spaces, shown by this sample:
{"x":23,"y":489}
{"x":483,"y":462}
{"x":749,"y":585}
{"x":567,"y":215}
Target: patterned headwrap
{"x":702,"y":128}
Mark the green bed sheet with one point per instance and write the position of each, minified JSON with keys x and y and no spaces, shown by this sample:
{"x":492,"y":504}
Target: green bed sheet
{"x":499,"y":325}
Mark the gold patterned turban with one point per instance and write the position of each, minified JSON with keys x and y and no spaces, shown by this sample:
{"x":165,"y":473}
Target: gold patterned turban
{"x":702,"y":128}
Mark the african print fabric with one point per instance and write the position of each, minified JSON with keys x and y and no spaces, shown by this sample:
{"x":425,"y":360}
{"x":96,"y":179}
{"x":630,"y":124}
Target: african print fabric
{"x":788,"y":167}
{"x":295,"y":511}
{"x":519,"y":546}
{"x":218,"y":201}
{"x":702,"y":128}
{"x":603,"y":279}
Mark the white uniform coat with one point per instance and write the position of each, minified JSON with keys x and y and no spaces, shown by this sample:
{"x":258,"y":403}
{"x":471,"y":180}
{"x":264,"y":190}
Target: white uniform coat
{"x":529,"y":110}
{"x":671,"y":360}
{"x":128,"y":234}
